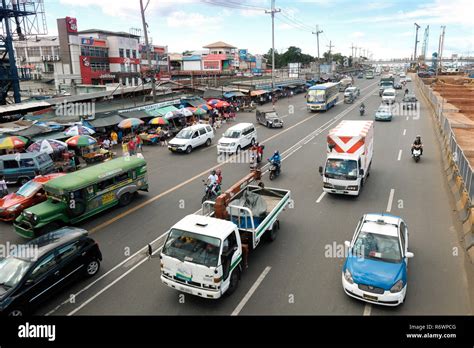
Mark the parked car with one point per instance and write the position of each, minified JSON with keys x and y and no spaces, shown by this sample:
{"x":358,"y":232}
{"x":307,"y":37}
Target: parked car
{"x":409,"y":102}
{"x":236,"y":138}
{"x":375,"y":270}
{"x":28,"y":195}
{"x":45,"y":265}
{"x":383,"y":113}
{"x":191,"y":137}
{"x":22,"y":167}
{"x":269,"y":118}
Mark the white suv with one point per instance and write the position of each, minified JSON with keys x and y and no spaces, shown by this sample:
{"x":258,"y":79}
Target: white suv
{"x":191,"y":137}
{"x":388,"y":96}
{"x":236,"y":138}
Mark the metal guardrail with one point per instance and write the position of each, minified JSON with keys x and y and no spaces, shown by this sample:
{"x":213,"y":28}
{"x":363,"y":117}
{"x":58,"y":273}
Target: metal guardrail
{"x":462,"y":163}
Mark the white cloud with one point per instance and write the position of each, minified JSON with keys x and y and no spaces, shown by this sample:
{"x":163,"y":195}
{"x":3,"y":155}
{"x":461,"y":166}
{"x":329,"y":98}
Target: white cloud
{"x":357,"y":34}
{"x":196,"y":21}
{"x":377,"y":5}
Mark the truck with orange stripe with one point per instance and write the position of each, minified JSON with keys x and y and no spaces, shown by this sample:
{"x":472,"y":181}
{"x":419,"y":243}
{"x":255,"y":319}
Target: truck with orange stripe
{"x":350,"y":146}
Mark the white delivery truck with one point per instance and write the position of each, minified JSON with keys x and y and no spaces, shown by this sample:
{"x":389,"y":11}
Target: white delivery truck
{"x":205,"y":254}
{"x":350,"y":146}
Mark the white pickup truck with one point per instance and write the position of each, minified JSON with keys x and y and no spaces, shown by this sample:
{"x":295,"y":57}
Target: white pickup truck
{"x":203,"y":254}
{"x":350,"y":146}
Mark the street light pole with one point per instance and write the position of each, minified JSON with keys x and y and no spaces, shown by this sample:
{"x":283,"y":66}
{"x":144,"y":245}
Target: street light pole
{"x":148,"y":53}
{"x":272,"y":12}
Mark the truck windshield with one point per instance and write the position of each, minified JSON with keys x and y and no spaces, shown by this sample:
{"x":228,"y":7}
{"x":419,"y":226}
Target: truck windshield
{"x":316,"y":95}
{"x":192,"y":247}
{"x":341,"y":169}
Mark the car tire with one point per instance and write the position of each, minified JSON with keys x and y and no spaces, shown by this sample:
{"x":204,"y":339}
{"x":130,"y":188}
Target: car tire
{"x":92,"y":267}
{"x":273,"y":233}
{"x":208,"y":142}
{"x":16,"y":312}
{"x":237,"y":151}
{"x":189,"y":149}
{"x":125,"y":199}
{"x":234,"y":281}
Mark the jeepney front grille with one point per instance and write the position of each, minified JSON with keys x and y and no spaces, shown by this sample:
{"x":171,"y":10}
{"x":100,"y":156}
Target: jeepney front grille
{"x":371,"y":289}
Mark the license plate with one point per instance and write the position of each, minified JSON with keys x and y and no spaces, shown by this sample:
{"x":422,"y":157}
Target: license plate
{"x":185,"y":290}
{"x":372,"y":298}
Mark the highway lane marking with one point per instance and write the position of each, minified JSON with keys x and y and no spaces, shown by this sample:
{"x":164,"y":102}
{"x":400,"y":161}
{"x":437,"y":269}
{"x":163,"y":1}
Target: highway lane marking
{"x":390,"y":201}
{"x":249,"y":294}
{"x":404,"y":132}
{"x":408,"y":118}
{"x":321,"y":197}
{"x":399,"y":155}
{"x":326,"y":125}
{"x":367,"y":309}
{"x":307,"y":141}
{"x":106,"y":274}
{"x":110,"y":285}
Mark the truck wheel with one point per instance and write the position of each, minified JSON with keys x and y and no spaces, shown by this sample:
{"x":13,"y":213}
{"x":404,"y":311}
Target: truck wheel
{"x":234,"y":281}
{"x":272,"y":234}
{"x":125,"y":199}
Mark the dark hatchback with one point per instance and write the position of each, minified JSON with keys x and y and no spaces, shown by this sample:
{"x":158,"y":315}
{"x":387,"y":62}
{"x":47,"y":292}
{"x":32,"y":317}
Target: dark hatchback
{"x":44,"y":266}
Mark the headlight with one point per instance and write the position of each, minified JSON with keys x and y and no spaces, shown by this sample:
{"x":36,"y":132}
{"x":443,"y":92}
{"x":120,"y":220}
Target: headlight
{"x":348,"y":276}
{"x":397,"y":287}
{"x":353,"y":188}
{"x":328,"y":185}
{"x":15,"y":207}
{"x":233,"y":144}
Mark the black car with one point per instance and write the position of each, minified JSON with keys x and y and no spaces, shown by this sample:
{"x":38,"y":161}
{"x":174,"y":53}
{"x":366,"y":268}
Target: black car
{"x":409,"y":102}
{"x":43,"y":266}
{"x":397,"y":86}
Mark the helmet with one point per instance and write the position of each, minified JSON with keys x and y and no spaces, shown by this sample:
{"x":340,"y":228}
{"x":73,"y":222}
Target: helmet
{"x":213,"y":172}
{"x":277,"y":153}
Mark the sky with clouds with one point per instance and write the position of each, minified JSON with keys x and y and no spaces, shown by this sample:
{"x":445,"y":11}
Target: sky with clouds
{"x":384,"y":27}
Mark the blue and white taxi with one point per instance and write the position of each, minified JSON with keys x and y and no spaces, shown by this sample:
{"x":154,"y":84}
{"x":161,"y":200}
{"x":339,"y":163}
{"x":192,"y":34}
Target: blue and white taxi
{"x":375,"y":270}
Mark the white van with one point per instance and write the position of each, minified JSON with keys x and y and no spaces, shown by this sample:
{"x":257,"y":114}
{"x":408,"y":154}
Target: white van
{"x":191,"y":137}
{"x":236,"y":138}
{"x":388,"y":96}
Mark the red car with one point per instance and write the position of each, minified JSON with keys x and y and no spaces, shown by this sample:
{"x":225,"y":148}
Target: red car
{"x":28,"y":195}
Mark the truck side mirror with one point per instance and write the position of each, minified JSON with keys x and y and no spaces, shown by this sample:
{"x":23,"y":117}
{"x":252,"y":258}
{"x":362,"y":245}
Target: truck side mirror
{"x":361,"y":172}
{"x":320,"y":170}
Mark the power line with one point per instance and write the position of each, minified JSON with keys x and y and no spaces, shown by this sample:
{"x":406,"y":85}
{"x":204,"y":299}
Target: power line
{"x":281,"y":19}
{"x":293,"y":18}
{"x":296,"y":24}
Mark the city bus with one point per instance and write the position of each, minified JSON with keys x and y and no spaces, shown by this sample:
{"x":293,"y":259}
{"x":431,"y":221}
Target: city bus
{"x":322,"y":97}
{"x":77,"y":196}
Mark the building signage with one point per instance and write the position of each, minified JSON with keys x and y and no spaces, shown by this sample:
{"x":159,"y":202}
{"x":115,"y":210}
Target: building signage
{"x":87,"y":41}
{"x":71,"y":25}
{"x":211,"y":65}
{"x":85,"y":62}
{"x":107,"y":76}
{"x":243,"y":54}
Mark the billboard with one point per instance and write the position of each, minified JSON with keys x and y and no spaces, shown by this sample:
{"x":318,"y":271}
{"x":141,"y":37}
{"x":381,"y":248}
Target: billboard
{"x":294,"y":69}
{"x":243,"y":54}
{"x":211,"y":65}
{"x":71,"y":25}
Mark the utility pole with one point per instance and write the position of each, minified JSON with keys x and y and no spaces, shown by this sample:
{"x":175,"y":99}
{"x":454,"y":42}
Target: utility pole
{"x":352,"y":50}
{"x":317,"y":32}
{"x":329,"y":53}
{"x":148,"y":49}
{"x":272,"y":12}
{"x":416,"y":42}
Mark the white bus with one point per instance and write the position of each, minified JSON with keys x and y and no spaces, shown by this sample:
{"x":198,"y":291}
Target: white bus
{"x":322,"y":97}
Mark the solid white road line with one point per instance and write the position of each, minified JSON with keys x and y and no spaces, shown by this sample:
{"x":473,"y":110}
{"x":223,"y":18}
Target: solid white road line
{"x":404,"y":132}
{"x":321,"y":197}
{"x":251,"y":291}
{"x":390,"y":200}
{"x":110,"y":285}
{"x":307,"y":141}
{"x":399,"y":155}
{"x":367,"y":309}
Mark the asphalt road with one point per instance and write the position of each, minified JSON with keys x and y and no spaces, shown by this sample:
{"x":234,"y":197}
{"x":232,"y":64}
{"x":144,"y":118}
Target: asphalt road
{"x":300,"y":278}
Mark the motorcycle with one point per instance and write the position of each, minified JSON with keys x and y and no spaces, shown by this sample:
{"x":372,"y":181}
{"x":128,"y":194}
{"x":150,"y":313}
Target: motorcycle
{"x":416,"y":154}
{"x":275,"y":170}
{"x":362,"y":111}
{"x":209,"y":195}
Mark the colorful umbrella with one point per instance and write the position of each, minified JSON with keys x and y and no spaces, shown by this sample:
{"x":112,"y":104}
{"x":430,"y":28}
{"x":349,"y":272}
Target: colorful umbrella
{"x":48,"y":146}
{"x":213,"y":101}
{"x":159,"y":121}
{"x":13,"y":142}
{"x":205,"y":107}
{"x":221,"y":104}
{"x":78,"y":130}
{"x":130,"y":123}
{"x":81,"y":141}
{"x":199,"y":111}
{"x":185,"y":112}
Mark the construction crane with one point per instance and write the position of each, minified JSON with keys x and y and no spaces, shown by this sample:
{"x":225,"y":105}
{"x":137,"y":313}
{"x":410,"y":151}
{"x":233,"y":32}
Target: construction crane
{"x":19,"y":19}
{"x":424,"y":47}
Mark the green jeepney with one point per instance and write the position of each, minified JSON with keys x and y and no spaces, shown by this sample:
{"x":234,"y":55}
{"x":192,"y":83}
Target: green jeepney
{"x":79,"y":195}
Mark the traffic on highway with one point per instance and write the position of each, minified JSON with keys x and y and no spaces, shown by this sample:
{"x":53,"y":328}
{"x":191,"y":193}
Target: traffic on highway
{"x":221,"y":183}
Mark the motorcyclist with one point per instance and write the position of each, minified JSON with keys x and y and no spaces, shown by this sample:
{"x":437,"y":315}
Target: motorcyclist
{"x":276,"y":160}
{"x":213,"y":182}
{"x":362,"y":108}
{"x":417,"y":144}
{"x":219,"y":177}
